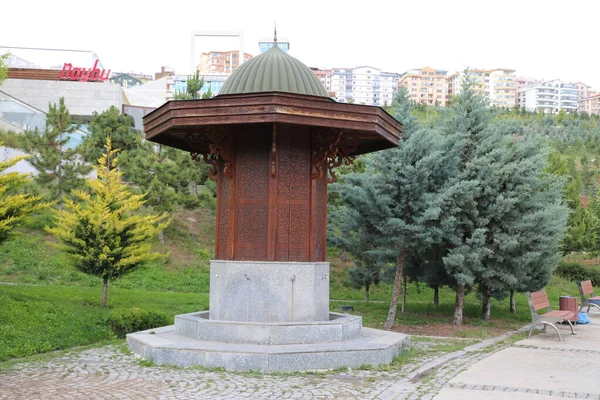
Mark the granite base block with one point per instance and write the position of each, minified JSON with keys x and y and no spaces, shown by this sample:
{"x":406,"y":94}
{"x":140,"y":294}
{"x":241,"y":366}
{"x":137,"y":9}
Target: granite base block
{"x":165,"y":346}
{"x":200,"y":326}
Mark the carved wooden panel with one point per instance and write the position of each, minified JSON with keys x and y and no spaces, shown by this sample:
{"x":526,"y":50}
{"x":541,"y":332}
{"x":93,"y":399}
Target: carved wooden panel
{"x":252,"y":231}
{"x":252,"y":173}
{"x":224,"y":198}
{"x":252,"y":164}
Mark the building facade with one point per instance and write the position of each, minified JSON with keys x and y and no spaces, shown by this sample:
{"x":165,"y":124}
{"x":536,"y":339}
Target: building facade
{"x":590,"y":104}
{"x":363,"y":85}
{"x":497,"y":85}
{"x":426,"y":86}
{"x":220,"y":62}
{"x":550,"y":96}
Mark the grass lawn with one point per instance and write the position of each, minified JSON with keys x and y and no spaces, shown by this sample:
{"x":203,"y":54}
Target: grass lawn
{"x":51,"y":306}
{"x":36,"y":319}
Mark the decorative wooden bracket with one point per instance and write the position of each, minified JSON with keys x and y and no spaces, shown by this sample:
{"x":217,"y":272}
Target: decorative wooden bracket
{"x":220,"y":149}
{"x":333,"y":151}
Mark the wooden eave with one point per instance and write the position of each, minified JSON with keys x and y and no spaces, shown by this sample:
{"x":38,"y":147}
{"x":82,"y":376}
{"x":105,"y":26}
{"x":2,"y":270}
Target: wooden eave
{"x":171,"y":123}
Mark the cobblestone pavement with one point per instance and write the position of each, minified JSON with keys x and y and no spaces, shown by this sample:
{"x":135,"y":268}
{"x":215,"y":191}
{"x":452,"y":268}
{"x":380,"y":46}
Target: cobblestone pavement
{"x":110,"y":372}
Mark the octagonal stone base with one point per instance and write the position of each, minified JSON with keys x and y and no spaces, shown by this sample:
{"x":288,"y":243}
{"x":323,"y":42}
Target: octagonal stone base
{"x":165,"y":346}
{"x":199,"y":326}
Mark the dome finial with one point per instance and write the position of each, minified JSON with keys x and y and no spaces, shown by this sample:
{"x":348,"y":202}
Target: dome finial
{"x":275,"y":34}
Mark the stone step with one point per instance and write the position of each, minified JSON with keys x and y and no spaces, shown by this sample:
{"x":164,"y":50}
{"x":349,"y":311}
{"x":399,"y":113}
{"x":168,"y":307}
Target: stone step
{"x":164,"y":346}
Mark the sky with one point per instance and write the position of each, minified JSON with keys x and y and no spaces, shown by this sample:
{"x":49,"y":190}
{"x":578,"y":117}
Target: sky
{"x":545,"y":39}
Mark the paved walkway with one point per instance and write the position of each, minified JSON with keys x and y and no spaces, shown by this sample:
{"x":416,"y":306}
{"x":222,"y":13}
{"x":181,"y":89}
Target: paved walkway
{"x":537,"y":369}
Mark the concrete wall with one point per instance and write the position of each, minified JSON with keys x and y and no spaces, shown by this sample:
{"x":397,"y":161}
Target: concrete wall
{"x":81,"y":98}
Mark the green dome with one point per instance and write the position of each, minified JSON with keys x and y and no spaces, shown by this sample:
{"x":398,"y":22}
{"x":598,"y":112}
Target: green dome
{"x":274,"y":70}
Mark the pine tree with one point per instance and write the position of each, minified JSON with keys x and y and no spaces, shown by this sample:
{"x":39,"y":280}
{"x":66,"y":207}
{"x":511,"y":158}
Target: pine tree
{"x":167,"y":175}
{"x":59,"y":167}
{"x":14,"y":206}
{"x":103,"y":233}
{"x":119,"y":127}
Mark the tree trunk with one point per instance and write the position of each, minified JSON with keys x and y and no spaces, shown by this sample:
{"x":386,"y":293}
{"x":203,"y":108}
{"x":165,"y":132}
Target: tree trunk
{"x":389,"y":322}
{"x":104,"y":292}
{"x":161,"y":237}
{"x":436,"y":297}
{"x":343,"y":256}
{"x":487,"y":299}
{"x":458,"y":306}
{"x":403,"y":295}
{"x":513,"y":306}
{"x":367,"y":292}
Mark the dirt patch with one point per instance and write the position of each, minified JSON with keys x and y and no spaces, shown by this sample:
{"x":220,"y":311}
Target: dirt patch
{"x":449,"y":330}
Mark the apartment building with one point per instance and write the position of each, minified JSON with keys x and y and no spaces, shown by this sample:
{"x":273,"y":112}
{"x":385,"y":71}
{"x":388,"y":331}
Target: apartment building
{"x":426,"y":85}
{"x":590,"y":104}
{"x":550,"y":96}
{"x":363,"y":85}
{"x":324,"y":76}
{"x":497,"y":85}
{"x":220,"y":62}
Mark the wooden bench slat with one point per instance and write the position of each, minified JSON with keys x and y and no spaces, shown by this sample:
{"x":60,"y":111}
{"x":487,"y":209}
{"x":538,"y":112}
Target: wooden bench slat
{"x":586,"y":287}
{"x":559,"y":314}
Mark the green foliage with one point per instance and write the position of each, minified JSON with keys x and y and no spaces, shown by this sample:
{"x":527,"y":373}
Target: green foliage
{"x":3,"y":67}
{"x":577,"y":272}
{"x":15,"y":206}
{"x":194,"y":84}
{"x":37,"y":319}
{"x":168,"y":175}
{"x":104,"y":234}
{"x":60,"y":169}
{"x":128,"y":320}
{"x":119,"y":127}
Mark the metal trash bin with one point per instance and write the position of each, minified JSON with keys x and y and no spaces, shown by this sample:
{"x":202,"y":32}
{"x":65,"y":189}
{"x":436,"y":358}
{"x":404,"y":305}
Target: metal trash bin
{"x":569,"y":303}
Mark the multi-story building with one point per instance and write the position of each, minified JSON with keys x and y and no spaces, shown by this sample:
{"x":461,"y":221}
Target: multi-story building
{"x":520,"y":83}
{"x":363,"y":85}
{"x":426,"y":85}
{"x":220,"y":62}
{"x":497,"y":85}
{"x":324,"y":76}
{"x":550,"y":96}
{"x":583,"y":90}
{"x":590,"y":104}
{"x":266,"y":44}
{"x":214,"y":83}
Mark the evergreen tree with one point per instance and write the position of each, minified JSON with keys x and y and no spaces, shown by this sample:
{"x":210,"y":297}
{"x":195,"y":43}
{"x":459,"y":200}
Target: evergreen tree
{"x":3,"y":68}
{"x":415,"y":178}
{"x":103,"y":233}
{"x":356,"y":229}
{"x":169,"y":176}
{"x":498,"y":246}
{"x":14,"y":206}
{"x":60,"y":168}
{"x":119,"y":127}
{"x":193,"y":87}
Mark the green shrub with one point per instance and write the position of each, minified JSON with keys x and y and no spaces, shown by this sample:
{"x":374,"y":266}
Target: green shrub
{"x":577,"y":272}
{"x":127,"y":320}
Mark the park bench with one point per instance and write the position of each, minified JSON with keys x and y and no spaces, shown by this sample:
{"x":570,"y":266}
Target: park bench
{"x":538,"y":301}
{"x":586,"y":289}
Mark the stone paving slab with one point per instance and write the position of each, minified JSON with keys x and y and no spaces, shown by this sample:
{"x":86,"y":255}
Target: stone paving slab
{"x":535,"y":369}
{"x":461,"y":394}
{"x":587,"y":338}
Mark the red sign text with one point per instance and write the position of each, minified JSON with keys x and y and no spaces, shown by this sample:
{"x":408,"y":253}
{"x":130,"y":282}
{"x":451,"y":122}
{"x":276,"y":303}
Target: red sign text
{"x":84,"y":74}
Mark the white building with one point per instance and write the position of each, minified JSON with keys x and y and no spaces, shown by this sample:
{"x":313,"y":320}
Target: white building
{"x":497,"y":85}
{"x":363,"y":85}
{"x":549,"y":96}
